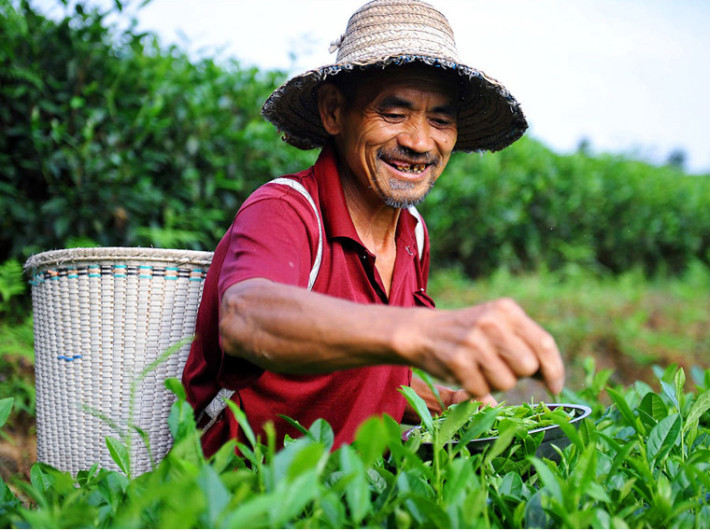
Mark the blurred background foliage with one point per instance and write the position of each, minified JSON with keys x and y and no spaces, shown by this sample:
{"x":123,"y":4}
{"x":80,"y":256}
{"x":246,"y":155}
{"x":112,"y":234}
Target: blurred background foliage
{"x":110,"y":139}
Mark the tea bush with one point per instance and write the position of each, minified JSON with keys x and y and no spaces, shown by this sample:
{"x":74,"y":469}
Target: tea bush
{"x":527,"y":207}
{"x":642,"y":462}
{"x":110,"y":139}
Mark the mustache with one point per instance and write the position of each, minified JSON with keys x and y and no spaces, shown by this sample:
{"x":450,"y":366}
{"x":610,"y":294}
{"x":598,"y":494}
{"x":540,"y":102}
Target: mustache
{"x":409,"y":155}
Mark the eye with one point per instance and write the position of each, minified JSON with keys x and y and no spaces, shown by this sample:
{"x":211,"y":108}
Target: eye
{"x":392,"y":116}
{"x":443,"y":121}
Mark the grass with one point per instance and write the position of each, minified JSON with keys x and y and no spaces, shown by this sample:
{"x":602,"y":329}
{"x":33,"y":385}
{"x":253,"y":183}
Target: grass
{"x":627,"y":323}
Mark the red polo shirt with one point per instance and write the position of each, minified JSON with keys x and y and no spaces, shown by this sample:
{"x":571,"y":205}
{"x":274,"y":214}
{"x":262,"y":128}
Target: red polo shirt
{"x":275,"y":236}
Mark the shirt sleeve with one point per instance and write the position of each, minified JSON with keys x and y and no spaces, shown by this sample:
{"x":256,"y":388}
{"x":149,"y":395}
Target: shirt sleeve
{"x":274,"y":236}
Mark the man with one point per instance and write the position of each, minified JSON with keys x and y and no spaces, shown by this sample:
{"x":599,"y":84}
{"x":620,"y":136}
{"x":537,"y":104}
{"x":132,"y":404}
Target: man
{"x":315,"y":305}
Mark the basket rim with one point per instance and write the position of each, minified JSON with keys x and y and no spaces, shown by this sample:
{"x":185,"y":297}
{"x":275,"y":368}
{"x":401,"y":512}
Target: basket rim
{"x":66,"y":256}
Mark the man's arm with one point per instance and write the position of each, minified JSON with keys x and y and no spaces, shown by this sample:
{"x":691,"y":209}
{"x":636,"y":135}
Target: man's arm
{"x":288,"y":329}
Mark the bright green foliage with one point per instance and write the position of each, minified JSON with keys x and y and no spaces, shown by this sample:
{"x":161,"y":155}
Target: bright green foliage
{"x":642,"y":462}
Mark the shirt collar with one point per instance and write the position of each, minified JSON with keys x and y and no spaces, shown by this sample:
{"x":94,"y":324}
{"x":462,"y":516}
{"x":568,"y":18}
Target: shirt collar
{"x":336,"y":217}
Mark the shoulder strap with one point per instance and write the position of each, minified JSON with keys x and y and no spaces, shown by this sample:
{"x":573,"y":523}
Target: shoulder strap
{"x":219,"y":402}
{"x":319,"y":254}
{"x":418,"y":230}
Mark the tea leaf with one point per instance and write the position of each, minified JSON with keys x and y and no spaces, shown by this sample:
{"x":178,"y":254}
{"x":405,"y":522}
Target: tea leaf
{"x":215,"y":494}
{"x":371,"y":439}
{"x":669,"y":391}
{"x":484,"y":421}
{"x":548,"y":478}
{"x":679,"y":381}
{"x":458,"y":416}
{"x":663,"y":437}
{"x":5,"y":409}
{"x":294,"y":423}
{"x":701,"y":405}
{"x":652,"y":409}
{"x":625,"y":411}
{"x":175,"y":386}
{"x":424,"y":376}
{"x":119,"y":454}
{"x":357,"y":494}
{"x":242,"y":421}
{"x":322,"y":432}
{"x":419,"y":406}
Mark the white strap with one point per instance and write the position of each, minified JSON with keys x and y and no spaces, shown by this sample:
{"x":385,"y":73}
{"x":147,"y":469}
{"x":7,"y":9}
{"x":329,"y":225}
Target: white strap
{"x":319,"y":254}
{"x":219,"y":402}
{"x":418,"y":230}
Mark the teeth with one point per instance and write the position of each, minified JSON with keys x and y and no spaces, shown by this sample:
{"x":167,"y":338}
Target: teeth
{"x":411,"y":169}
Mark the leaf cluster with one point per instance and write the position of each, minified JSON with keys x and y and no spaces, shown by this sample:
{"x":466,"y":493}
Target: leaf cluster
{"x":642,"y":462}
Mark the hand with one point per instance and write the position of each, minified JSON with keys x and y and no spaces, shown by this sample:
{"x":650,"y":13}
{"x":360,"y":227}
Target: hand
{"x":485,"y":348}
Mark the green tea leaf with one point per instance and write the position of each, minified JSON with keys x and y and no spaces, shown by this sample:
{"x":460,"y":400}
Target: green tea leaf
{"x":679,"y":381}
{"x":5,"y":409}
{"x":357,"y":495}
{"x":663,"y":437}
{"x":626,"y":411}
{"x":484,"y":422}
{"x":652,"y":409}
{"x":371,"y":439}
{"x":293,"y":499}
{"x":699,"y":407}
{"x":322,"y":432}
{"x":419,"y":406}
{"x":421,"y":374}
{"x":457,"y":417}
{"x":39,"y":479}
{"x":241,"y":418}
{"x":215,"y":493}
{"x":548,"y":478}
{"x":175,"y":386}
{"x":119,"y":454}
{"x":669,"y":391}
{"x":294,"y":423}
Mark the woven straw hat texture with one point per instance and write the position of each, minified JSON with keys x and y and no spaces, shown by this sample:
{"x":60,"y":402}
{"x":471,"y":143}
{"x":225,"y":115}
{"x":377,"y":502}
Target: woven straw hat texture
{"x":389,"y":33}
{"x":102,"y":316}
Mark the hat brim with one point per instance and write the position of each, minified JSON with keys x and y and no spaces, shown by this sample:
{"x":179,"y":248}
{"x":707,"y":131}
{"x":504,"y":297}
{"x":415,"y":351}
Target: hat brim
{"x":490,"y":118}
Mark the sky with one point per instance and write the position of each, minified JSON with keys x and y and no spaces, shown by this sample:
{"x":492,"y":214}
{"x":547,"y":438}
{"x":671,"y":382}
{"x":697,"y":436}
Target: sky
{"x":626,"y":76}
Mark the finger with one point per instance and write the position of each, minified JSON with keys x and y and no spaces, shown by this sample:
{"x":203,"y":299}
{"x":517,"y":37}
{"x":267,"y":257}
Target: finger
{"x":487,"y":401}
{"x":467,"y":374}
{"x":514,"y":351}
{"x":544,"y":348}
{"x":492,"y":365}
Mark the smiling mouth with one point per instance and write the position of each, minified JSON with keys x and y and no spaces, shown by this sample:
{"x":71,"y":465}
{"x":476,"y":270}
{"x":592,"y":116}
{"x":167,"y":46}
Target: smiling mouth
{"x":415,"y":169}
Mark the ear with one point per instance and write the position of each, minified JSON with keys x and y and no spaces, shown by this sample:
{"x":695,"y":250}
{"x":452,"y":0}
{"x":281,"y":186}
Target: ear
{"x":331,"y":105}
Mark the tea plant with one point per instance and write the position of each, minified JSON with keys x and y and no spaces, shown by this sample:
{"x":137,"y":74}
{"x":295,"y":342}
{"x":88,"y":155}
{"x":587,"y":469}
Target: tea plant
{"x":644,"y":461}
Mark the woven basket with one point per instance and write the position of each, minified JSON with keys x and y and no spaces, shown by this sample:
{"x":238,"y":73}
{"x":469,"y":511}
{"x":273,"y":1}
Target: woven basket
{"x":101,"y":317}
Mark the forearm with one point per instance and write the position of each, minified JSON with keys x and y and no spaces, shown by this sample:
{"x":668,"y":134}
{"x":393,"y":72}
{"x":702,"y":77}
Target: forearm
{"x":481,"y":348}
{"x":290,"y":330}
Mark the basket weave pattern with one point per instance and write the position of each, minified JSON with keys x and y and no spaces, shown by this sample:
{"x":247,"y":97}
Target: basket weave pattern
{"x":101,"y":316}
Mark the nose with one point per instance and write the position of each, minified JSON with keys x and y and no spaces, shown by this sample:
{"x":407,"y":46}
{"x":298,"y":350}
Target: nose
{"x":417,"y":135}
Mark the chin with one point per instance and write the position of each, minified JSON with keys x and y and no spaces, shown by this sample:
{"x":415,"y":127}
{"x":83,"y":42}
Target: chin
{"x":397,"y":196}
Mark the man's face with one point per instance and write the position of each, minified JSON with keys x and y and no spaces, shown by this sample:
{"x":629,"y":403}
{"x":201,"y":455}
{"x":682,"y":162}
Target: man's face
{"x":397,"y":134}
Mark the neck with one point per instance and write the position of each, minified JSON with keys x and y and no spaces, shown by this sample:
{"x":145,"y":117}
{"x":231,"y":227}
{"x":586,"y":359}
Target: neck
{"x":374,"y":221}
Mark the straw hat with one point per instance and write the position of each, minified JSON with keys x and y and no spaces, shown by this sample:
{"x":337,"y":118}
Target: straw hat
{"x":389,"y":33}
